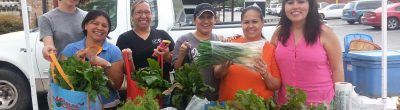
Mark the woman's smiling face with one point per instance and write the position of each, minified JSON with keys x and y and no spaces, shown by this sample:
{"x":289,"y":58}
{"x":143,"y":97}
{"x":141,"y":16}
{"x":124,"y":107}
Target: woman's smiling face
{"x":97,"y":29}
{"x":297,"y":10}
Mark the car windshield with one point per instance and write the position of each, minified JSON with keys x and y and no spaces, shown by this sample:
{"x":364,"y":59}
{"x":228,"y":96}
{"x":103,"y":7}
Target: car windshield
{"x":349,"y":5}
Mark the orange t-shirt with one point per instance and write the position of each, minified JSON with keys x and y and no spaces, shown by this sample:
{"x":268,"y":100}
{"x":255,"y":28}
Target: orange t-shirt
{"x":240,"y":77}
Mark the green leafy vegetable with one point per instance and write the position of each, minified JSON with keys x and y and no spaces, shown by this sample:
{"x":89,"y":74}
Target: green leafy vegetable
{"x":190,"y":80}
{"x":151,"y":77}
{"x":247,"y":100}
{"x":147,"y":102}
{"x":84,"y":77}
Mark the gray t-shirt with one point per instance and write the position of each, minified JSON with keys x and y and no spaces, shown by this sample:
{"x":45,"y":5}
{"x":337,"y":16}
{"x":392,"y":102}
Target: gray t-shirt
{"x":64,"y":27}
{"x":206,"y":73}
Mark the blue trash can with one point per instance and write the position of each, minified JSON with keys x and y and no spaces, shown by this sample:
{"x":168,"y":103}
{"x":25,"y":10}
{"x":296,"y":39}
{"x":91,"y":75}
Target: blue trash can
{"x":347,"y":67}
{"x":366,"y":67}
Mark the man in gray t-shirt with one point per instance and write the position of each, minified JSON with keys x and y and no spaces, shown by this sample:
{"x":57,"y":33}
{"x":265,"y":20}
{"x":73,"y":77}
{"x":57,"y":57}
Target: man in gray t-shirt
{"x":60,"y":27}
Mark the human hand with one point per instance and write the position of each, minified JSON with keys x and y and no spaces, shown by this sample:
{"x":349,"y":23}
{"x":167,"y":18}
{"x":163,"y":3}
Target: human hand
{"x":98,"y":61}
{"x":47,"y":49}
{"x":229,"y":39}
{"x":184,"y":48}
{"x":260,"y":67}
{"x":162,"y":51}
{"x":81,"y":54}
{"x":129,"y":51}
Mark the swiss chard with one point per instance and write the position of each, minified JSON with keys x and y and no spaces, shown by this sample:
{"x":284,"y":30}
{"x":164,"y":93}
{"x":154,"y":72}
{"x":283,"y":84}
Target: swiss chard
{"x":246,"y":100}
{"x":151,"y":77}
{"x":84,"y":77}
{"x":191,"y":83}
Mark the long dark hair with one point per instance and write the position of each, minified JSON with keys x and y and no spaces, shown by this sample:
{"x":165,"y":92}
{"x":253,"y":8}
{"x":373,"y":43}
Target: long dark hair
{"x":92,"y":15}
{"x":312,"y":26}
{"x":255,"y":8}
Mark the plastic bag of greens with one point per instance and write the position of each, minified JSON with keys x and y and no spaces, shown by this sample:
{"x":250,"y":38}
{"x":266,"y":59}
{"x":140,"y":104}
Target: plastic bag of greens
{"x":216,"y":52}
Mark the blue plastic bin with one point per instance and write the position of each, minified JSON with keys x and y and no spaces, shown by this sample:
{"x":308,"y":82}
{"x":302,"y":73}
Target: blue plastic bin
{"x":367,"y":70}
{"x":348,"y":76}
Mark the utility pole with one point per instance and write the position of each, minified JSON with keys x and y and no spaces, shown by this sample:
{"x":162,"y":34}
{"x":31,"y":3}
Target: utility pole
{"x":223,"y":11}
{"x":44,"y":6}
{"x":232,"y":11}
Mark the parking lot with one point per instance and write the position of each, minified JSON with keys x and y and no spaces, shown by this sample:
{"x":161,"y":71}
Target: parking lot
{"x":342,"y":28}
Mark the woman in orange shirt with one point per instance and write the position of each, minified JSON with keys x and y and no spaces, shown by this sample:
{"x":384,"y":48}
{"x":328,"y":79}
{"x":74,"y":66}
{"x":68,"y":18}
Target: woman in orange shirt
{"x":265,"y":78}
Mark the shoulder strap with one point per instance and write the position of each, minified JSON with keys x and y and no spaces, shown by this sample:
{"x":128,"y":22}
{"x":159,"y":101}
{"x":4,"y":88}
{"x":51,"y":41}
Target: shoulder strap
{"x":54,"y":62}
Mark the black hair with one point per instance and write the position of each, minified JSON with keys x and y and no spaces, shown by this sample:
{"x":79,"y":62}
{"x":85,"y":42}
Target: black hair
{"x":252,"y":7}
{"x":92,"y":15}
{"x":255,"y":8}
{"x":312,"y":26}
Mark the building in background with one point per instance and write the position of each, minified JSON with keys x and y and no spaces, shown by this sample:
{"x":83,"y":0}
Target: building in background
{"x":35,"y":9}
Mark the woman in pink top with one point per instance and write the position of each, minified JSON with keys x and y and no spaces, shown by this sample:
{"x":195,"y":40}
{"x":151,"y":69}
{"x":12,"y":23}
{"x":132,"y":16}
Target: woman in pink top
{"x":307,"y":52}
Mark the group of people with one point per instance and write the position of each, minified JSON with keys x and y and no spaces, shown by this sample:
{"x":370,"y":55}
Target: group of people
{"x":303,"y":52}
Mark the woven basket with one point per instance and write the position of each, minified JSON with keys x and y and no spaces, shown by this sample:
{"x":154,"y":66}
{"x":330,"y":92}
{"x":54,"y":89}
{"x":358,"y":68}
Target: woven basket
{"x":362,"y":45}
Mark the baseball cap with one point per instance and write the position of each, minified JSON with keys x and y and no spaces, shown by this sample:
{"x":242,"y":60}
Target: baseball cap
{"x":204,"y":7}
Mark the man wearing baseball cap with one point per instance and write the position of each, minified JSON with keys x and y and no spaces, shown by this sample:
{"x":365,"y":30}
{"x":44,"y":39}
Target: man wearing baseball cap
{"x":187,"y":45}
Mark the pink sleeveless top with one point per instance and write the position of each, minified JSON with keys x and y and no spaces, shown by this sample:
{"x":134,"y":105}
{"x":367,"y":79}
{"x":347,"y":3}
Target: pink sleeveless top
{"x":305,"y":67}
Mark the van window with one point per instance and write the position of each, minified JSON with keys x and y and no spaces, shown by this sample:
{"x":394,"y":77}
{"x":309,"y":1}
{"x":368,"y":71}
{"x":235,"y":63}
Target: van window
{"x":349,"y":5}
{"x":179,"y":11}
{"x":153,"y":8}
{"x":109,"y":6}
{"x":367,"y":5}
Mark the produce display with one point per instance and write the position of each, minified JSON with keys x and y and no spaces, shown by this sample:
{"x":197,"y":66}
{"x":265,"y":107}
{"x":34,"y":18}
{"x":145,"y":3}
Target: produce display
{"x":190,"y":83}
{"x":84,"y":77}
{"x":216,"y":52}
{"x":247,"y":100}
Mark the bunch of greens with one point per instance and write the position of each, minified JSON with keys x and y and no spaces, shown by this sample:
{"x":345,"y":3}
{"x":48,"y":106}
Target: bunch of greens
{"x":247,"y":100}
{"x":215,"y":52}
{"x":147,"y":102}
{"x":84,"y":77}
{"x":151,"y":77}
{"x":190,"y":83}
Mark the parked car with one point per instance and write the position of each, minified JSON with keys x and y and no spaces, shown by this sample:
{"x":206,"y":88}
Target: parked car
{"x":322,"y":5}
{"x":278,"y":10}
{"x":273,"y":9}
{"x":15,"y":92}
{"x":353,"y":10}
{"x":332,"y":11}
{"x":373,"y":18}
{"x":238,"y":9}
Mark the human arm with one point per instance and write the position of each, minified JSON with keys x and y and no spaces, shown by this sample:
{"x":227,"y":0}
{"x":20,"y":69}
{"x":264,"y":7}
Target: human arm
{"x":271,"y":81}
{"x":268,"y":68}
{"x":46,"y":36}
{"x":221,"y":70}
{"x":275,"y":35}
{"x":332,"y":46}
{"x":165,"y":52}
{"x":179,"y":55}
